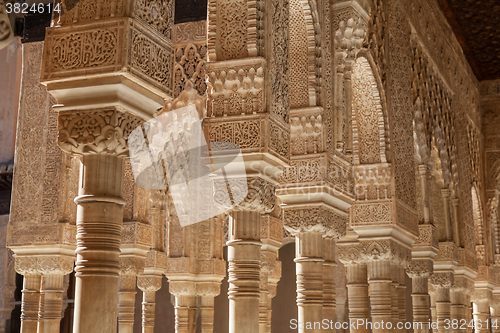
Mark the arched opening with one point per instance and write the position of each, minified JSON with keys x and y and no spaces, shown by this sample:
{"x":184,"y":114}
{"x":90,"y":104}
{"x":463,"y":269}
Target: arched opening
{"x":367,"y":116}
{"x":302,"y":55}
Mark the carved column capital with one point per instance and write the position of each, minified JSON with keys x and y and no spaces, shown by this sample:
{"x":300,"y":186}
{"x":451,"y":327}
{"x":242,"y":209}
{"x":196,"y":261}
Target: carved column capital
{"x":442,"y":279}
{"x":211,"y":289}
{"x":44,"y":264}
{"x":420,"y":268}
{"x":149,"y":282}
{"x":385,"y":249}
{"x":319,"y":219}
{"x":253,"y":194}
{"x":463,"y":284}
{"x":349,"y":254}
{"x":481,"y":295}
{"x":178,"y":288}
{"x":101,"y":131}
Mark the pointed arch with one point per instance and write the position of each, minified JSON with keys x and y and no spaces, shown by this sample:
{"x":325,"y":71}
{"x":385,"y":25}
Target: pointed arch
{"x":368,"y":123}
{"x":302,"y":55}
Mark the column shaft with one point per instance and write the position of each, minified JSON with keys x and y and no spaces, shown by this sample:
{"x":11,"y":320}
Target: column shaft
{"x":99,"y":222}
{"x":51,"y":309}
{"x":244,"y":250}
{"x":357,"y":294}
{"x":495,"y":319}
{"x":482,"y":317}
{"x":458,"y":309}
{"x":185,"y":314}
{"x":30,"y":303}
{"x":309,"y":270}
{"x":148,"y":311}
{"x":380,"y":295}
{"x":126,"y":303}
{"x":329,"y":302}
{"x":443,"y":308}
{"x":207,"y":314}
{"x":421,"y":303}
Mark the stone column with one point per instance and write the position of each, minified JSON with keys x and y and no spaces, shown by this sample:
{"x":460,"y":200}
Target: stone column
{"x":244,"y":271}
{"x":482,"y":299}
{"x":309,"y":269}
{"x":271,"y":235}
{"x":29,"y":303}
{"x":149,"y":285}
{"x":136,"y":240}
{"x":380,"y":294}
{"x":52,"y":295}
{"x":402,"y":297}
{"x":461,"y":288}
{"x":126,"y":303}
{"x":442,"y":283}
{"x":495,"y":313}
{"x":99,"y":223}
{"x":329,"y":275}
{"x":150,"y":281}
{"x":394,"y":296}
{"x":207,"y":293}
{"x":357,"y":295}
{"x":185,"y":305}
{"x":420,"y":271}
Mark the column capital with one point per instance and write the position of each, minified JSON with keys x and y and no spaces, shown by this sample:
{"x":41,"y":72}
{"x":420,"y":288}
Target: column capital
{"x":442,"y":279}
{"x":420,"y":268}
{"x":101,"y":131}
{"x":320,"y":218}
{"x":149,"y":282}
{"x":259,"y":197}
{"x":349,"y":253}
{"x":385,"y":249}
{"x":481,"y":295}
{"x":44,"y":264}
{"x":463,"y":284}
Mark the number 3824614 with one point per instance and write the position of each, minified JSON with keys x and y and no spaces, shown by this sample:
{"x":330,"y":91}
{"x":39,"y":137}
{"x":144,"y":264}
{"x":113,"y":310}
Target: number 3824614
{"x":36,"y":8}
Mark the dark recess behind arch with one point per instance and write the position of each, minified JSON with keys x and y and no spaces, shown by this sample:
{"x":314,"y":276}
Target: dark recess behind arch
{"x":190,"y":10}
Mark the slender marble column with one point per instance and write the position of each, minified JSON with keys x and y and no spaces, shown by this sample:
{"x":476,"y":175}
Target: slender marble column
{"x":244,"y":249}
{"x":207,"y":313}
{"x":329,"y":271}
{"x":149,"y":285}
{"x":443,"y":308}
{"x":495,"y":315}
{"x":99,"y":222}
{"x":482,"y":316}
{"x":126,"y":303}
{"x":357,"y":294}
{"x":51,"y":303}
{"x":29,"y":303}
{"x":185,"y":313}
{"x":458,"y":308}
{"x":402,"y":296}
{"x":380,"y":295}
{"x":419,"y":271}
{"x":395,"y":296}
{"x":309,"y":270}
